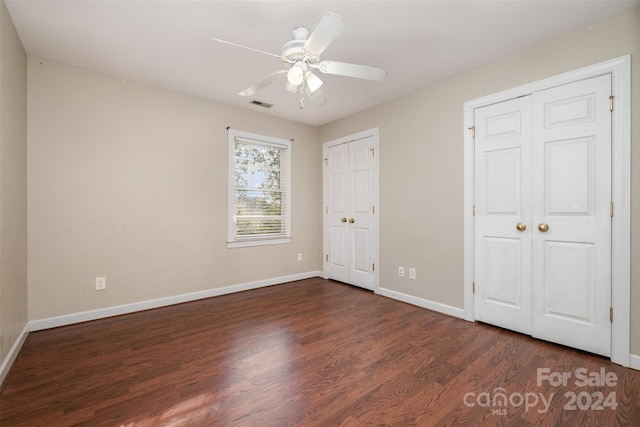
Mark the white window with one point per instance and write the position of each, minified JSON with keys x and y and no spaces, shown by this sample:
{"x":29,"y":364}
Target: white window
{"x":259,"y":190}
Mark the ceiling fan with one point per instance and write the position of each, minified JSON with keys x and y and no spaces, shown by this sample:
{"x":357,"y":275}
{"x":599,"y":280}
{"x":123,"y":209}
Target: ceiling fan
{"x":301,"y":56}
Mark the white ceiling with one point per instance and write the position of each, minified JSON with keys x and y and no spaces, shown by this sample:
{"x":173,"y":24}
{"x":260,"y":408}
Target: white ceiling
{"x":169,"y":43}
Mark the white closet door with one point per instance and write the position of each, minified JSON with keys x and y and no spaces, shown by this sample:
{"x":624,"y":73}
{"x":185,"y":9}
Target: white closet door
{"x":543,"y":224}
{"x":503,"y":200}
{"x":336,"y":185}
{"x":349,"y":182}
{"x":360,"y":222}
{"x":572,"y":196}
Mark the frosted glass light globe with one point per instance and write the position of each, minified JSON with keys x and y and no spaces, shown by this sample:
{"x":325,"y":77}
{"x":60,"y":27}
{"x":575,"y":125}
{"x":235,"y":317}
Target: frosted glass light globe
{"x":295,"y":75}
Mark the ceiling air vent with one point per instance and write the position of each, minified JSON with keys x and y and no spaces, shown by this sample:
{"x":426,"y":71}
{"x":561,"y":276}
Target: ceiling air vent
{"x":260,"y":104}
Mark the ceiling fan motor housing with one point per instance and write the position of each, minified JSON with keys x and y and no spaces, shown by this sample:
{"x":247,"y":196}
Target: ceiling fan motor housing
{"x":294,"y":50}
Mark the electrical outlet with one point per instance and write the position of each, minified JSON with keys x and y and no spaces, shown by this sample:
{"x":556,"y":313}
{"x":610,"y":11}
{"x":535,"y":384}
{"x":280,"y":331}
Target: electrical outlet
{"x":299,"y":257}
{"x":101,"y":283}
{"x":412,"y":273}
{"x":401,"y":271}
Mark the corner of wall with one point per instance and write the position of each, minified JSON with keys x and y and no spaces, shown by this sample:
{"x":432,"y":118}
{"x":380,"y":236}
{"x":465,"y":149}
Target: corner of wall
{"x":13,"y":193}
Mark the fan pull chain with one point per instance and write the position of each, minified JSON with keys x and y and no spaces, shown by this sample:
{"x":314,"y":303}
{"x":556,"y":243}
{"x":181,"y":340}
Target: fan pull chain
{"x":301,"y":102}
{"x":301,"y":96}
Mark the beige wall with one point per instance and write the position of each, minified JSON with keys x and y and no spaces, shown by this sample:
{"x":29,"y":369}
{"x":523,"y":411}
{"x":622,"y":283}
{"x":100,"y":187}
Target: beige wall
{"x":13,"y":185}
{"x":421,"y":158}
{"x":129,"y":182}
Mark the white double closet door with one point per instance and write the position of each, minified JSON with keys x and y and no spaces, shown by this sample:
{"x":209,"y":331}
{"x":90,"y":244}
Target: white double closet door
{"x":349,"y":232}
{"x":543,"y":215}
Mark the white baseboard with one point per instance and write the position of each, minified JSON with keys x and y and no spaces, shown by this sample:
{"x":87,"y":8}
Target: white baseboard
{"x":13,"y":353}
{"x":424,"y":303}
{"x":52,"y":322}
{"x":68,"y":319}
{"x":634,"y":361}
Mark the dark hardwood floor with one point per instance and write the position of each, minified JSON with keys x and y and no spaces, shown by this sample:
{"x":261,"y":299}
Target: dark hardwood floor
{"x":312,"y":352}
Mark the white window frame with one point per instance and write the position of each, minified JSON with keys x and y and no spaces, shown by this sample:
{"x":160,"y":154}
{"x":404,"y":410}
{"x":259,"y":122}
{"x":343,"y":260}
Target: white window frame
{"x":253,"y":138}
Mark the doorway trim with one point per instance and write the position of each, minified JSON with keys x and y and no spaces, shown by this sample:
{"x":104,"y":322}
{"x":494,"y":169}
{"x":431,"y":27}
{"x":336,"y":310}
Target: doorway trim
{"x":374,"y":133}
{"x":619,"y":68}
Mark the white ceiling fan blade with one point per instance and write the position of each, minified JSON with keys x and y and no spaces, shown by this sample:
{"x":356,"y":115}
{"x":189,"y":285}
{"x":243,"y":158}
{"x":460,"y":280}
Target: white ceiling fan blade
{"x":317,"y":98}
{"x":352,"y":70}
{"x":329,"y":27}
{"x":252,"y":49}
{"x":262,"y":83}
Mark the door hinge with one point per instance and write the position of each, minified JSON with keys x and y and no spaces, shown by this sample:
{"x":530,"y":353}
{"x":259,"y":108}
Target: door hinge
{"x":373,"y":267}
{"x":373,"y":209}
{"x":611,"y":314}
{"x":373,"y":152}
{"x":326,"y":257}
{"x":326,"y":209}
{"x":611,"y":98}
{"x":326,"y":162}
{"x":473,"y":132}
{"x":611,"y":209}
{"x":473,"y":210}
{"x":473,"y":288}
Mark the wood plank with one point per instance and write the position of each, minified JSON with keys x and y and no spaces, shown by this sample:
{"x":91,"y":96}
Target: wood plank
{"x":311,"y":352}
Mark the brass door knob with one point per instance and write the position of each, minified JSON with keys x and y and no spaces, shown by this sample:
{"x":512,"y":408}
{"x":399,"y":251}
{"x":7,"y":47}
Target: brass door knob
{"x":351,"y":220}
{"x":343,"y":219}
{"x":521,"y":227}
{"x":543,"y":227}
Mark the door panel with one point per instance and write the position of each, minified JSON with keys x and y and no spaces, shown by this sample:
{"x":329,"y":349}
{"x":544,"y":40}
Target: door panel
{"x":338,"y":247}
{"x":499,"y":282}
{"x":569,"y":111}
{"x":569,"y":286}
{"x":572,"y":260}
{"x":503,"y":253}
{"x":361,"y":196}
{"x":360,"y":255}
{"x":503,"y":181}
{"x":336,"y":189}
{"x":569,"y":170}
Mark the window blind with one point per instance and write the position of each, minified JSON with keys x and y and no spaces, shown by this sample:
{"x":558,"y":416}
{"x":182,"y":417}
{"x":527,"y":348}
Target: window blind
{"x":259,"y":189}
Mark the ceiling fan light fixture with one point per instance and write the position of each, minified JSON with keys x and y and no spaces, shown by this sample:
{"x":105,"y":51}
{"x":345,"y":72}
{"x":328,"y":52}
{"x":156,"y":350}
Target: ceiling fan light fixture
{"x":302,"y":55}
{"x":291,"y":88}
{"x":313,"y":81}
{"x":295,"y":76}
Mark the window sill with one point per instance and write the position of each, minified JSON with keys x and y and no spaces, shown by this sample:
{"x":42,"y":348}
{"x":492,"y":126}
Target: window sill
{"x":258,"y":242}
